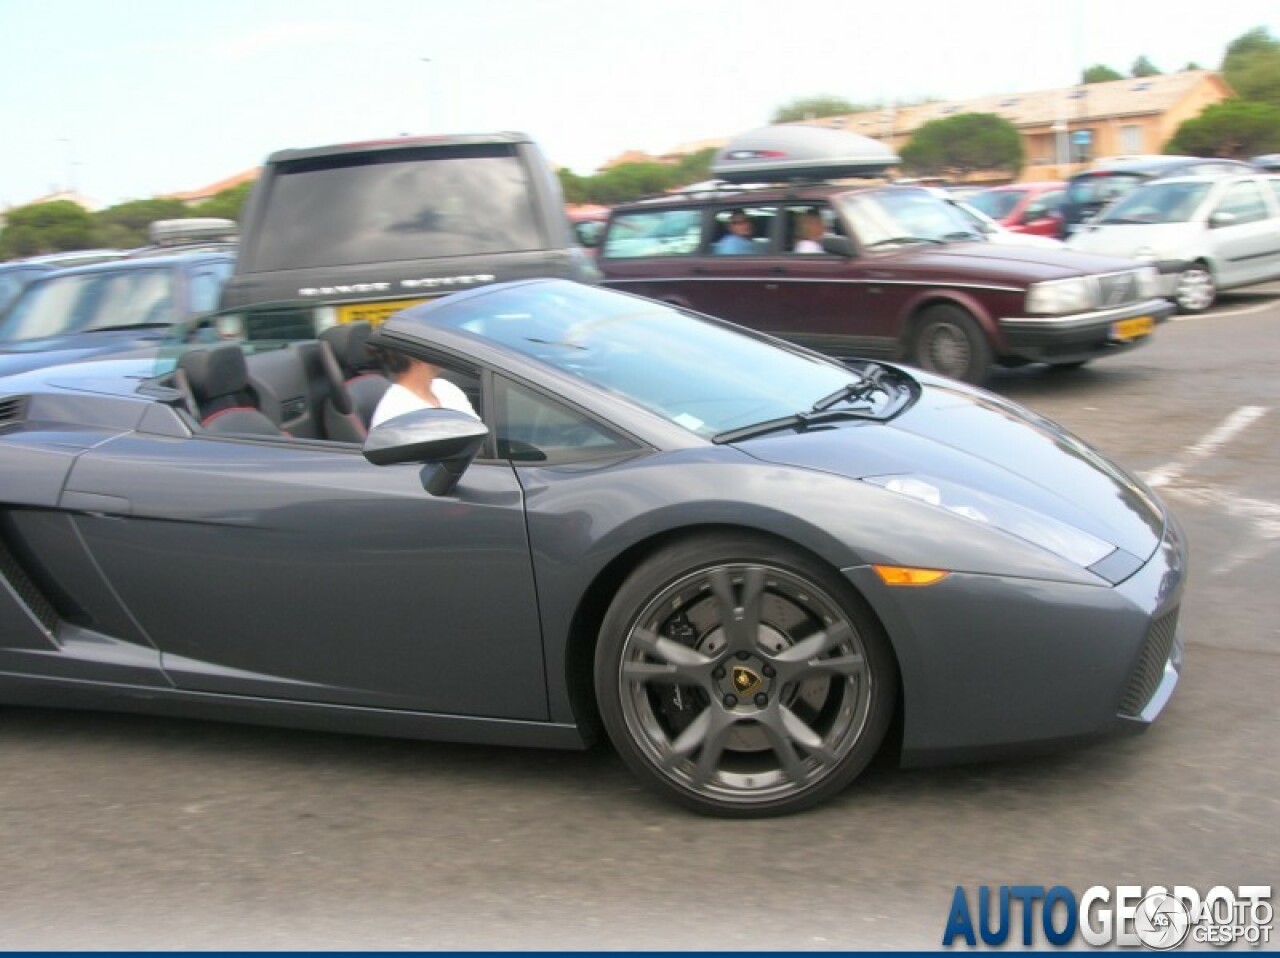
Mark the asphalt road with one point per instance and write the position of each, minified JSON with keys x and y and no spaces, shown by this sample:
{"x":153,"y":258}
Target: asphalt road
{"x":127,"y":832}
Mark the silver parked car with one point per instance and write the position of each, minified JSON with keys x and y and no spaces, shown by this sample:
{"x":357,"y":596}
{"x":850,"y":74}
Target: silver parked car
{"x":1203,"y":234}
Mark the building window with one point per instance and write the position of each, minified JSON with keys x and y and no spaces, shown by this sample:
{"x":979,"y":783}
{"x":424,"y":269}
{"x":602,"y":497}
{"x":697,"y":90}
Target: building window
{"x":1131,"y":139}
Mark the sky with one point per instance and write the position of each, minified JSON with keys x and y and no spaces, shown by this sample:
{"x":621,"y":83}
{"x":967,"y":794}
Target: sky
{"x":129,"y":100}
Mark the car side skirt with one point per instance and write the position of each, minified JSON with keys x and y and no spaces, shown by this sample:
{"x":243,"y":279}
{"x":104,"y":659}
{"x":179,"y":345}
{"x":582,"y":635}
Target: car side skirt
{"x":38,"y":692}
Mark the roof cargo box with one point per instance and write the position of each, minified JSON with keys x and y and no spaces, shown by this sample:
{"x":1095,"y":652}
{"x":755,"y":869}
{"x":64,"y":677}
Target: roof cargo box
{"x":793,"y":152}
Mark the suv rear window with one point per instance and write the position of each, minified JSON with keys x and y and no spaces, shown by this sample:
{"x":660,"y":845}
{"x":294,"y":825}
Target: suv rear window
{"x":378,"y":208}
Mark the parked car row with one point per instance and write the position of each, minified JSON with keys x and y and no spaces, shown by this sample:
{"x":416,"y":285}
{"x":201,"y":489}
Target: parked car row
{"x":1201,"y":233}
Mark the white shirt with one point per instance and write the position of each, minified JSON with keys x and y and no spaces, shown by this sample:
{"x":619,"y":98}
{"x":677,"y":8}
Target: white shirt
{"x":808,"y":246}
{"x":398,"y":400}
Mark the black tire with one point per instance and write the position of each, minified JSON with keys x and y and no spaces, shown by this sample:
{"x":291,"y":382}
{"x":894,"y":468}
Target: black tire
{"x":1196,"y":290}
{"x":743,"y":679}
{"x":948,"y":341}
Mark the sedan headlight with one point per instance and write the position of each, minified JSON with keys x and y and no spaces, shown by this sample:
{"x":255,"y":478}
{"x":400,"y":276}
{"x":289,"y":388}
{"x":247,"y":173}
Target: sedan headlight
{"x":1060,"y":296}
{"x":1044,"y":531}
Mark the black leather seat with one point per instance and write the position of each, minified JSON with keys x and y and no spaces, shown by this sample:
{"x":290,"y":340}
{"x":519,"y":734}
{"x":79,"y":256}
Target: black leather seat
{"x":218,"y":382}
{"x":359,"y":386}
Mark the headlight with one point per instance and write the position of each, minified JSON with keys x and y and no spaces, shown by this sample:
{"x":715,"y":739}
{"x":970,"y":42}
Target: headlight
{"x":1044,"y":531}
{"x":1060,"y":296}
{"x":1148,"y":280}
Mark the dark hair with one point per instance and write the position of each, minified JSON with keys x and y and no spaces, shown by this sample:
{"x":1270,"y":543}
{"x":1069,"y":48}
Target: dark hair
{"x":392,"y":361}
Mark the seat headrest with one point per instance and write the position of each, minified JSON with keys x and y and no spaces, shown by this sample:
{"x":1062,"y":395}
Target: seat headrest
{"x":350,"y":345}
{"x":215,"y":372}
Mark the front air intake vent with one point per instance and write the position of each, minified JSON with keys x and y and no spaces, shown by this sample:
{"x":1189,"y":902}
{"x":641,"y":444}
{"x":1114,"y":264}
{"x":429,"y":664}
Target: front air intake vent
{"x":12,"y":409}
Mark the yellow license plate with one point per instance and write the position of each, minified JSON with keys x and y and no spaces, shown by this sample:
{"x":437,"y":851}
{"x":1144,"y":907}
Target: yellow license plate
{"x":373,"y":312}
{"x":1127,"y":329}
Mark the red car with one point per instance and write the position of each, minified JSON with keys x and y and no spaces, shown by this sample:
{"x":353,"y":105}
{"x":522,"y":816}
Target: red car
{"x":1034,"y":208}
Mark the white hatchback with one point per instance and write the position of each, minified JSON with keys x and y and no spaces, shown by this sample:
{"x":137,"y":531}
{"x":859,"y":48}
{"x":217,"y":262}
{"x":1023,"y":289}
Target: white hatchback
{"x":1202,"y":233}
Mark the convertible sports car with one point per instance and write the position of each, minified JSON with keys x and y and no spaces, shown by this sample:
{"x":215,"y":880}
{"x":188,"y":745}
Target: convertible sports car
{"x":739,"y":559}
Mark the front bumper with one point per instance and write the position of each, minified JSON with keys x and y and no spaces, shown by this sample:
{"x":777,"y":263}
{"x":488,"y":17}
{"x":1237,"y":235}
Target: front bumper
{"x":1078,"y":337}
{"x":993,"y":665}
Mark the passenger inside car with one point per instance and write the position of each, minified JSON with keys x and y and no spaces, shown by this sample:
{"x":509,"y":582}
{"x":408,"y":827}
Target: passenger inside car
{"x":738,"y":237}
{"x":810,"y":229}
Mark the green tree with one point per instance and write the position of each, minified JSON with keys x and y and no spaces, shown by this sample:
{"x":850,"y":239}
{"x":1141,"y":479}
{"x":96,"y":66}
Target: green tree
{"x":1233,"y":128}
{"x":126,"y":225}
{"x":1192,"y":65}
{"x":695,"y":167}
{"x":1143,"y":67}
{"x":226,"y":205}
{"x":814,"y":107}
{"x":963,"y":143}
{"x":573,"y":186}
{"x":1257,"y":40}
{"x":630,"y":181}
{"x":1251,"y":66}
{"x":1100,"y":73}
{"x":52,"y":227}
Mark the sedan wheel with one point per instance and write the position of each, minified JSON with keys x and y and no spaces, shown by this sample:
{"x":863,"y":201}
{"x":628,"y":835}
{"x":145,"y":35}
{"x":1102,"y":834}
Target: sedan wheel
{"x":1196,"y":289}
{"x":948,"y":341}
{"x":743,"y":680}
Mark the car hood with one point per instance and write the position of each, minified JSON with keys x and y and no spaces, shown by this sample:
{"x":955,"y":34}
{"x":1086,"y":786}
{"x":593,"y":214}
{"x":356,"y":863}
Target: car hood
{"x":975,"y":439}
{"x":1016,"y":265}
{"x":55,"y":351}
{"x":1126,"y":239}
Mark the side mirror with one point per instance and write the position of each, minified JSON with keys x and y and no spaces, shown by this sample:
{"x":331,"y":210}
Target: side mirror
{"x":444,"y":440}
{"x":1221,"y":218}
{"x":839,"y":245}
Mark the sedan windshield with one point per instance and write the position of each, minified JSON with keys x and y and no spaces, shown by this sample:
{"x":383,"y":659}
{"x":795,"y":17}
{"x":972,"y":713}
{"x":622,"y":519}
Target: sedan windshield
{"x":1171,"y":202}
{"x":997,"y":203}
{"x":899,"y":217}
{"x":701,"y":374}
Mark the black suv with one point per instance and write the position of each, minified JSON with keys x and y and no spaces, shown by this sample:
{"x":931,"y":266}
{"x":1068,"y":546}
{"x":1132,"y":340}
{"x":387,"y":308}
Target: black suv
{"x":363,"y":230}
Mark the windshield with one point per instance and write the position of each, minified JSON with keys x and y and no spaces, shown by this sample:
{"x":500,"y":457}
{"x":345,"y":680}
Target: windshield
{"x":903,"y":216}
{"x":84,"y":302}
{"x":997,"y":203}
{"x":696,"y":372}
{"x":1102,"y":187}
{"x":1158,"y":203}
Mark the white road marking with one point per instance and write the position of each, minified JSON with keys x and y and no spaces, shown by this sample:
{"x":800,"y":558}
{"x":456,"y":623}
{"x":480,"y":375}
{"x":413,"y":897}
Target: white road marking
{"x":1170,"y":472}
{"x":1262,"y":517}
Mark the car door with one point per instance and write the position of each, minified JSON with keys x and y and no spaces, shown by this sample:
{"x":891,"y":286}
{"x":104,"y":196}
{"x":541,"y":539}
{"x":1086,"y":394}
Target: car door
{"x":298,"y":570}
{"x":807,"y":297}
{"x":1243,"y":235}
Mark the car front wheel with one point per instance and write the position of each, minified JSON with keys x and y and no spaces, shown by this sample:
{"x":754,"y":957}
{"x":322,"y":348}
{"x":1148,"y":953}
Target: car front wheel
{"x":949,"y":341}
{"x":1196,"y":289}
{"x":743,"y":679}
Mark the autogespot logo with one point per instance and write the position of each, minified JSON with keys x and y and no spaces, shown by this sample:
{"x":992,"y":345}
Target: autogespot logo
{"x":1157,"y":918}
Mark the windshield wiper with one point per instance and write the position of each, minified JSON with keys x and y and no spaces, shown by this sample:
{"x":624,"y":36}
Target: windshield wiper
{"x":799,"y":420}
{"x":904,"y":239}
{"x":964,"y":235}
{"x":121,"y":326}
{"x":869,"y":384}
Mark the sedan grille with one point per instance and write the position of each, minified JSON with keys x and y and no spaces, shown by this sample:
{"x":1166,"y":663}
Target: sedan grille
{"x":1150,"y":668}
{"x":1117,"y":289}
